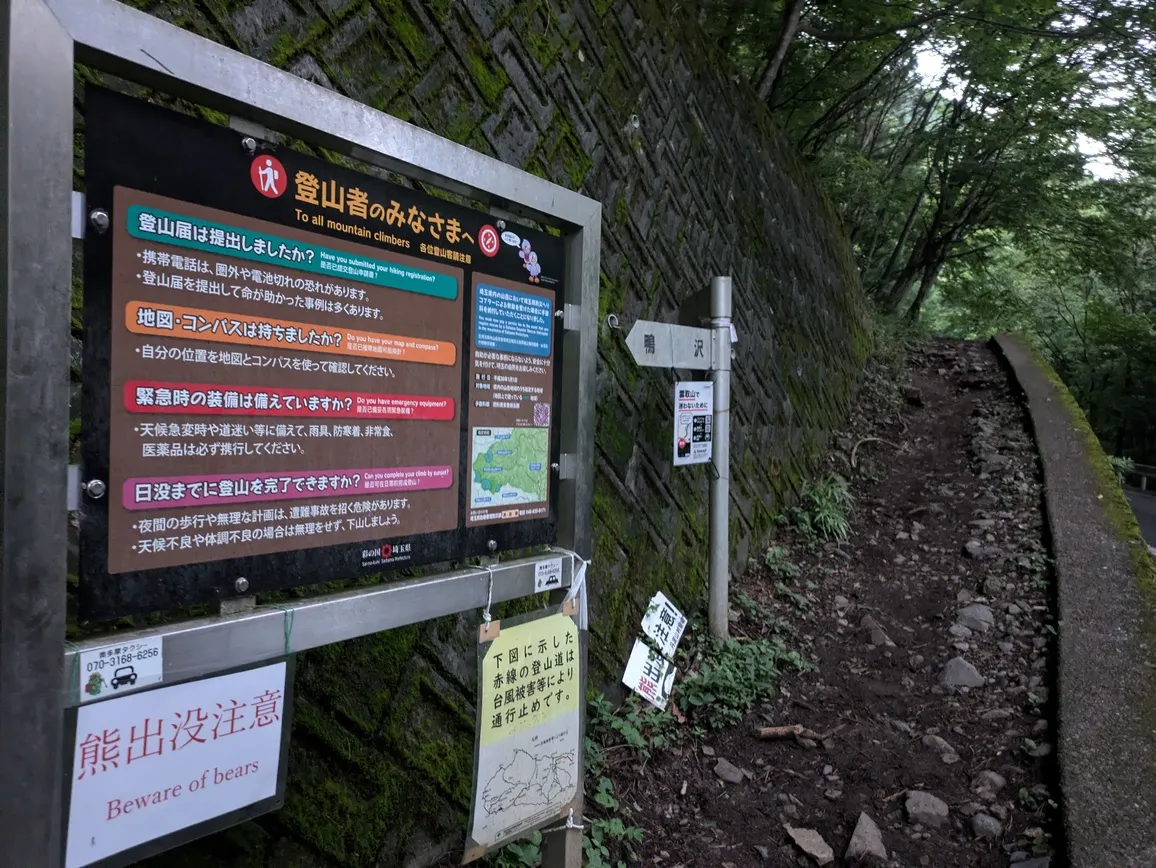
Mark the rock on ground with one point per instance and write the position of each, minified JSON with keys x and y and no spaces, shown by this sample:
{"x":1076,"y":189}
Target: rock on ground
{"x":728,"y":771}
{"x":812,"y":843}
{"x":926,"y":809}
{"x":959,"y":673}
{"x":985,"y":827}
{"x":866,"y":841}
{"x":977,"y":617}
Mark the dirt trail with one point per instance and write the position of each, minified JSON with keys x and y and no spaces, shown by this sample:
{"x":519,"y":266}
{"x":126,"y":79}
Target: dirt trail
{"x":930,"y":629}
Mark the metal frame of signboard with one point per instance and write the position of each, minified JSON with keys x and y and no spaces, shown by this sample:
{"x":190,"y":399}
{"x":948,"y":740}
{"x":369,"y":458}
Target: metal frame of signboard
{"x":40,"y":41}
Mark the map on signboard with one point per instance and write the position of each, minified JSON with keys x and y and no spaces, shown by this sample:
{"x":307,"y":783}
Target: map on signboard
{"x":511,"y":375}
{"x":509,"y":466}
{"x":529,"y":729}
{"x":530,"y":780}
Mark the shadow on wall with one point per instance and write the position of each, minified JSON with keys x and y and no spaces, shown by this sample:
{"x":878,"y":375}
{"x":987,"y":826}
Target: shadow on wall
{"x":621,"y":101}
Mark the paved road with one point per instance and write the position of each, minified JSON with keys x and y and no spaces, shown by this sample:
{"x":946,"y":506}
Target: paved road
{"x":1144,"y":505}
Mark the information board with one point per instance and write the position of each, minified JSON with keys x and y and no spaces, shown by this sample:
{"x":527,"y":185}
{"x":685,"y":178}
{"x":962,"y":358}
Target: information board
{"x":529,"y":727}
{"x":155,"y":769}
{"x":693,"y":422}
{"x":296,"y":373}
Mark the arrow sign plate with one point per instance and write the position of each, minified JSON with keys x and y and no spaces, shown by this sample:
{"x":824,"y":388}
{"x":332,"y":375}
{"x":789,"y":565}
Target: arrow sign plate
{"x":665,"y":345}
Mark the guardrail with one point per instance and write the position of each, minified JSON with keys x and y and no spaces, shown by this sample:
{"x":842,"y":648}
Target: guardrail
{"x":1141,"y":476}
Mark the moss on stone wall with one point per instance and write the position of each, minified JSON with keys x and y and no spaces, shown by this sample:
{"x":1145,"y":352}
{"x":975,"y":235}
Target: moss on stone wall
{"x":623,"y":102}
{"x":1121,"y":517}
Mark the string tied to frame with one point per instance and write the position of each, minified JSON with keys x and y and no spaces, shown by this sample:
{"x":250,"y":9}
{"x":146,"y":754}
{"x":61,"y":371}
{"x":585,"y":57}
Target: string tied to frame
{"x":569,"y":824}
{"x":486,"y":616}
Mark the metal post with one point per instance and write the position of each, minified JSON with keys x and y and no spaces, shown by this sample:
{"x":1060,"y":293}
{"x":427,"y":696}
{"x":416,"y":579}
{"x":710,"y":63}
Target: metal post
{"x":35,"y":272}
{"x":563,"y":848}
{"x":720,"y":480}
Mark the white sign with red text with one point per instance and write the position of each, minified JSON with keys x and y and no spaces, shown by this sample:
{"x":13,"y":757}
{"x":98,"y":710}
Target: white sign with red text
{"x":147,"y":765}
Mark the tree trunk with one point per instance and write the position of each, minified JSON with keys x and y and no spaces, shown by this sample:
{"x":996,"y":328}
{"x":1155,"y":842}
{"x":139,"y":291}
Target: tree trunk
{"x":901,"y":242}
{"x":930,"y":273}
{"x":792,"y":16}
{"x":899,"y":290}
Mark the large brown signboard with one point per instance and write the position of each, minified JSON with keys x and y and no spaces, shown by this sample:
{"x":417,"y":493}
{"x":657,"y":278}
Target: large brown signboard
{"x":296,"y":373}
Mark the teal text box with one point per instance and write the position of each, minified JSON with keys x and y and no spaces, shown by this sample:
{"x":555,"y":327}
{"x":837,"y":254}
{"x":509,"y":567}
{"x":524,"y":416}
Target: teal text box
{"x":152,"y":224}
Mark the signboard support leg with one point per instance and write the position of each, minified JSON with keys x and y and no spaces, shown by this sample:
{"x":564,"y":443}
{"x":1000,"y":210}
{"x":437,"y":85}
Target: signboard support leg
{"x":720,"y":481}
{"x":562,"y":845}
{"x":562,"y":848}
{"x":35,"y":272}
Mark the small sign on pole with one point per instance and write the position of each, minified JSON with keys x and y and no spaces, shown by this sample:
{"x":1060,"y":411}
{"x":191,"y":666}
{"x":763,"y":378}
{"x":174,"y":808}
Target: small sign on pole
{"x":693,"y":416}
{"x":122,"y":668}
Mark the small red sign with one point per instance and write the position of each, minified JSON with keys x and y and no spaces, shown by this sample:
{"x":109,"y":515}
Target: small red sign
{"x":268,"y":176}
{"x":488,"y":240}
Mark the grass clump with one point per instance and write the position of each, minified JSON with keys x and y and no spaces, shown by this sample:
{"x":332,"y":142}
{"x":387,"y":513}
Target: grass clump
{"x":824,"y":510}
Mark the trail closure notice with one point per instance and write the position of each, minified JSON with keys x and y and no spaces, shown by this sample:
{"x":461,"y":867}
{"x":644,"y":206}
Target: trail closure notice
{"x":529,"y":749}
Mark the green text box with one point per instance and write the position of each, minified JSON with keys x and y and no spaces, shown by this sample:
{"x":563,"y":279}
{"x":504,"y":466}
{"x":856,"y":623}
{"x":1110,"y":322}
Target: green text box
{"x":152,"y":224}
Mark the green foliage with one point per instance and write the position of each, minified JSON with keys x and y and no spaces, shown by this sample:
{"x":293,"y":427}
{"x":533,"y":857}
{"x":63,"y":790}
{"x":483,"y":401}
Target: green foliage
{"x":1084,"y":294}
{"x":634,"y":725}
{"x":824,"y":510}
{"x":1121,"y":467}
{"x":778,"y":561}
{"x":733,"y":677}
{"x":941,"y":128}
{"x":609,"y":836}
{"x":763,"y":620}
{"x":520,"y":854}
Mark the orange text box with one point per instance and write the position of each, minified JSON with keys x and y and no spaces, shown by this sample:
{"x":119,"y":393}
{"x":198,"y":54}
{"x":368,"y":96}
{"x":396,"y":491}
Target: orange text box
{"x":190,"y":323}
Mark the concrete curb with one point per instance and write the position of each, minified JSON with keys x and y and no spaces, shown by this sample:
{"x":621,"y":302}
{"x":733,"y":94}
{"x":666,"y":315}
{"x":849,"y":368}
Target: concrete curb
{"x":1107,"y":740}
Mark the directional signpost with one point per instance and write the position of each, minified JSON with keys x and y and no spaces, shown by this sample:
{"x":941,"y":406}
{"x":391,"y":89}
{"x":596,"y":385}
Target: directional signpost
{"x":681,"y":347}
{"x":664,"y":345}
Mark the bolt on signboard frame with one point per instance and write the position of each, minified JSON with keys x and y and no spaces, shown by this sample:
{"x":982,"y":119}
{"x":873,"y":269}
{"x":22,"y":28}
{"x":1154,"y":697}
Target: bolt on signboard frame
{"x":40,"y":40}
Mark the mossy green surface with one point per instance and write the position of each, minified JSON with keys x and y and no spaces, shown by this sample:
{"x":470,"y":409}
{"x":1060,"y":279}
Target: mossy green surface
{"x":1117,"y":510}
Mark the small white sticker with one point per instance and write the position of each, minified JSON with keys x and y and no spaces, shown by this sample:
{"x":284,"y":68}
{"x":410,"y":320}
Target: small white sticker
{"x":664,"y":623}
{"x":649,"y":674}
{"x":734,"y":334}
{"x":121,"y":668}
{"x":548,"y":575}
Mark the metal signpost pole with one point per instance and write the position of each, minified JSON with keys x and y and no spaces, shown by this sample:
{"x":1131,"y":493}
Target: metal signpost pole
{"x":720,"y":480}
{"x":562,"y":848}
{"x":35,"y":272}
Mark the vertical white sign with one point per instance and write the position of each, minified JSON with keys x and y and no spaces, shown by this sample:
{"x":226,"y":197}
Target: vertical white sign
{"x":664,"y":623}
{"x":150,"y":764}
{"x":649,"y":674}
{"x":693,"y":421}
